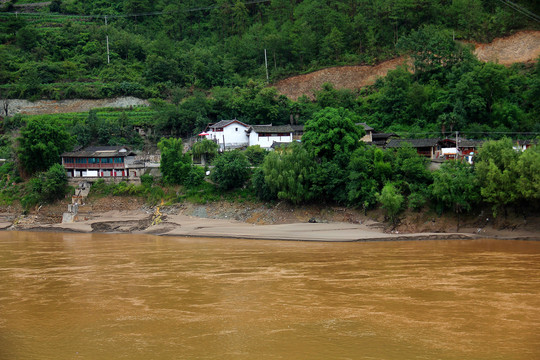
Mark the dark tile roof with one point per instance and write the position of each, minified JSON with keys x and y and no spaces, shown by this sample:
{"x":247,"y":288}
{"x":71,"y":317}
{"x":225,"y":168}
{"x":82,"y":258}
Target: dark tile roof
{"x":297,"y":127}
{"x":271,"y":129}
{"x":365,"y":126}
{"x":276,"y":144}
{"x":101,"y":151}
{"x":416,"y":143}
{"x":224,"y":123}
{"x":382,"y":136}
{"x":470,"y":143}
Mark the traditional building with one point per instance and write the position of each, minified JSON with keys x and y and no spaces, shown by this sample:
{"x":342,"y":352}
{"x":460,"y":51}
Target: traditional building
{"x":266,"y":135}
{"x":101,"y":161}
{"x":228,"y":134}
{"x":425,"y":147}
{"x":368,"y":137}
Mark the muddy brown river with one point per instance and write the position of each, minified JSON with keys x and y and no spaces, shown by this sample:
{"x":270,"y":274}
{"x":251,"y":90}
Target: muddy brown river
{"x":96,"y":296}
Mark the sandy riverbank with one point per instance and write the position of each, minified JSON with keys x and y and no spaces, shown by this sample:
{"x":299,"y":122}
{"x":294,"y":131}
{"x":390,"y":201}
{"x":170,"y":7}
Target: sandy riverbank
{"x":253,"y":220}
{"x":139,"y":222}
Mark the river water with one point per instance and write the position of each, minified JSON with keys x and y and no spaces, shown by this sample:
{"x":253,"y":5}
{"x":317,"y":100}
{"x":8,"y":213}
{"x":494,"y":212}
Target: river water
{"x":96,"y":296}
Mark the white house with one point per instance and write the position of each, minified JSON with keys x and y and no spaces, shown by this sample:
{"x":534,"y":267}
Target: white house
{"x":229,"y":134}
{"x":266,"y":135}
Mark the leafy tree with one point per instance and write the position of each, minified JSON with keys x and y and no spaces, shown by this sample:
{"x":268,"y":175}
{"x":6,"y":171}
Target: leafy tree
{"x":53,"y":183}
{"x":432,"y":48}
{"x":231,"y":170}
{"x":455,"y":187}
{"x":528,"y":172}
{"x":260,"y":187}
{"x":205,"y":149}
{"x":41,"y":143}
{"x":367,"y":173}
{"x":288,"y":173}
{"x":46,"y":187}
{"x":27,"y":38}
{"x":332,"y":132}
{"x":495,"y":170}
{"x":410,"y":167}
{"x":175,"y":166}
{"x":256,"y":154}
{"x":391,"y":200}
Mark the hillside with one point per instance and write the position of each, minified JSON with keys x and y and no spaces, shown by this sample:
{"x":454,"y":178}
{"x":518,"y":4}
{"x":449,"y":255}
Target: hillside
{"x":521,"y":47}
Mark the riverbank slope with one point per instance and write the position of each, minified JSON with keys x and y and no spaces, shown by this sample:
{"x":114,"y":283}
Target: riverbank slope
{"x":280,"y":221}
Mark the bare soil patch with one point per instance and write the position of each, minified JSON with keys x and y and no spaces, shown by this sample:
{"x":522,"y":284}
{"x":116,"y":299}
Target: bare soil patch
{"x":522,"y":47}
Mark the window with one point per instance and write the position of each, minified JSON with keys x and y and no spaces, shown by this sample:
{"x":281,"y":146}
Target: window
{"x":236,"y":129}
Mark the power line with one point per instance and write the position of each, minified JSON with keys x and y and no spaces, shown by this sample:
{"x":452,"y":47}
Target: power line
{"x":109,"y":16}
{"x":521,"y":10}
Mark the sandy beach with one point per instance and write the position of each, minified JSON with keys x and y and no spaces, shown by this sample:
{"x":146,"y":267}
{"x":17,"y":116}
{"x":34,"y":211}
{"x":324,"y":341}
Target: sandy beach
{"x":138,"y":222}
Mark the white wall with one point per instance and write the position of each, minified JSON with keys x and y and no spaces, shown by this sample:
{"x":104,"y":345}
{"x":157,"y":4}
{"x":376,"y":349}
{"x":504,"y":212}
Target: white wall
{"x":233,"y":135}
{"x":267,"y":141}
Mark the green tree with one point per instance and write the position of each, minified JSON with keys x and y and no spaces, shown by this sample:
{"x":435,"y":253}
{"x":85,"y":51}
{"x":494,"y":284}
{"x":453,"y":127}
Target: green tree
{"x":46,"y":187}
{"x":391,"y":200}
{"x":455,"y":187}
{"x":528,"y":172}
{"x":41,"y":143}
{"x":495,"y":170}
{"x":368,"y":172}
{"x":205,"y":149}
{"x":175,"y":166}
{"x":331,"y":132}
{"x":54,"y":183}
{"x":231,"y":170}
{"x":288,"y":173}
{"x":256,"y":154}
{"x":433,"y":48}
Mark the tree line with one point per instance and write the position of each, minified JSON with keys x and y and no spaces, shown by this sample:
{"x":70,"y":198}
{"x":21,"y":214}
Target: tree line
{"x":332,"y":166}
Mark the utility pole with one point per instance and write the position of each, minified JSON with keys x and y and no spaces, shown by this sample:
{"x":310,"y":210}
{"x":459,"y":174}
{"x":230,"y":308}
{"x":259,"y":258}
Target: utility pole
{"x":266,"y":64}
{"x":107,"y":37}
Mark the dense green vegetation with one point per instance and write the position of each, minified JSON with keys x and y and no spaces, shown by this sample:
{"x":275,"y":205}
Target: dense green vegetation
{"x":365,"y":176}
{"x":203,"y":61}
{"x":206,"y":58}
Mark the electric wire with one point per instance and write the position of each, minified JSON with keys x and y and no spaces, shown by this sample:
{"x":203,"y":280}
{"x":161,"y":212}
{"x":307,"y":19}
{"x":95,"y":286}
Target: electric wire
{"x":521,"y":10}
{"x":111,"y":16}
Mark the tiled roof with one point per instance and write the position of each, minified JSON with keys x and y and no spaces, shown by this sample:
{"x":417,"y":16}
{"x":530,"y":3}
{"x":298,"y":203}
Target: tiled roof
{"x":382,"y":136}
{"x":297,"y":127}
{"x":224,"y":123}
{"x":271,"y":129}
{"x":470,"y":143}
{"x":416,"y":143}
{"x":365,"y":126}
{"x":100,"y":151}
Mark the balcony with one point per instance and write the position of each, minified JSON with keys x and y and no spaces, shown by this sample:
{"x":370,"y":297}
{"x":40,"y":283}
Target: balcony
{"x":94,"y":166}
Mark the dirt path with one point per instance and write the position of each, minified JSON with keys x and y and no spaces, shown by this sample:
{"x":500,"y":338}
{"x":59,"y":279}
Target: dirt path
{"x":518,"y":48}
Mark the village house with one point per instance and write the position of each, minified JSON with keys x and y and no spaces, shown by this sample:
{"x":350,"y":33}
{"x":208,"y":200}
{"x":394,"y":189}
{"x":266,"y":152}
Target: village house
{"x":107,"y":162}
{"x":228,"y":134}
{"x":298,"y":131}
{"x":424,"y":147}
{"x":266,"y":135}
{"x":368,"y":137}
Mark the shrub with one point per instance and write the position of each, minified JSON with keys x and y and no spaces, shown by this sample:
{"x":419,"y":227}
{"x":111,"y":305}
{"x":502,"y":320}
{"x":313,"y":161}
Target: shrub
{"x":231,"y":170}
{"x":147,"y":180}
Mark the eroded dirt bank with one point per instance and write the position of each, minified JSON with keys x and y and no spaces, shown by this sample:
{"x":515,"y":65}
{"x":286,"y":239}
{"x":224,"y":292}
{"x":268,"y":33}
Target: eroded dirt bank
{"x":521,"y":47}
{"x":263,"y":221}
